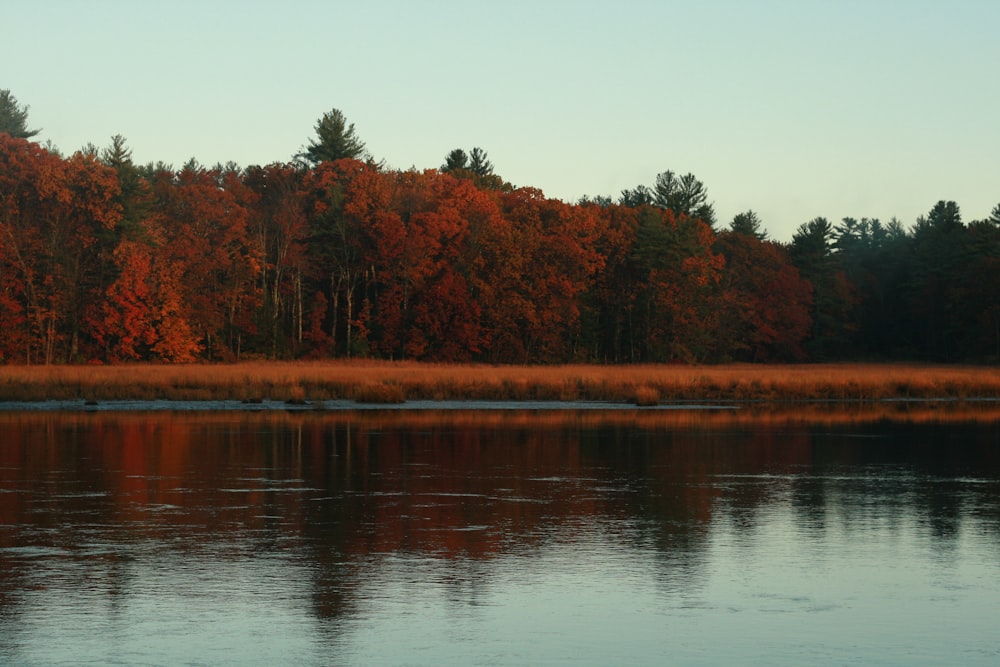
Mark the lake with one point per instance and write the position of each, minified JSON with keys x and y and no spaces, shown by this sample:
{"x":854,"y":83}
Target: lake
{"x":500,"y":537}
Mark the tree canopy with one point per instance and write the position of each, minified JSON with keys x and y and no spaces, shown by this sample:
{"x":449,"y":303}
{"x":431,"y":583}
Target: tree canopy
{"x":333,"y":255}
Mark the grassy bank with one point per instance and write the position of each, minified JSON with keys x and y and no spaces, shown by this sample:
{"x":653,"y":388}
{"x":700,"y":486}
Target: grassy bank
{"x":388,"y":382}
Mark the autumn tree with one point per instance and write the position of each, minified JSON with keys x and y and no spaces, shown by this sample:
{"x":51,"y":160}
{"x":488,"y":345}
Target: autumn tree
{"x":535,"y":307}
{"x":342,"y":199}
{"x":124,"y":322}
{"x":96,"y":194}
{"x":207,"y":258}
{"x":278,"y":229}
{"x":20,"y":247}
{"x":766,"y":303}
{"x":428,"y":271}
{"x":52,"y":213}
{"x":610,"y":303}
{"x":133,"y":200}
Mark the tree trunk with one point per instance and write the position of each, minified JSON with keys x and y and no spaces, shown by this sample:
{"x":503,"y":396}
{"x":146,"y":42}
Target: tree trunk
{"x":335,"y":297}
{"x":349,"y":293}
{"x":298,"y":301}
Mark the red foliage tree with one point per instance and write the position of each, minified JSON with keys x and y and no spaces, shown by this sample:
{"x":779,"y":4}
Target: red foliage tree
{"x":767,"y":303}
{"x":426,"y":266}
{"x":612,"y":300}
{"x":548,"y":260}
{"x":343,"y":198}
{"x":126,"y":325}
{"x":209,"y":267}
{"x":53,"y":215}
{"x":278,"y":231}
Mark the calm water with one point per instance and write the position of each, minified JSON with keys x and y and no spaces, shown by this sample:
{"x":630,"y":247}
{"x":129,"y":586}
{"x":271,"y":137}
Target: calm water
{"x":507,"y":537}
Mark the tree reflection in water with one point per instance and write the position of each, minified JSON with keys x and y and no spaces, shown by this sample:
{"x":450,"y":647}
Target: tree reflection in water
{"x":332,"y":507}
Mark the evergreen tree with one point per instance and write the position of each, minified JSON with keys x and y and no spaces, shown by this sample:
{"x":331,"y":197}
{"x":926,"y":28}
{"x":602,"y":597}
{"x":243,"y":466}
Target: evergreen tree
{"x":478,"y":164}
{"x":474,"y":166}
{"x":833,"y":298}
{"x":939,"y":253}
{"x":602,"y":201}
{"x":684,"y":195}
{"x":636,"y":197}
{"x":455,"y":160}
{"x":134,"y":189}
{"x":748,"y":224}
{"x":13,"y":117}
{"x":335,"y":140}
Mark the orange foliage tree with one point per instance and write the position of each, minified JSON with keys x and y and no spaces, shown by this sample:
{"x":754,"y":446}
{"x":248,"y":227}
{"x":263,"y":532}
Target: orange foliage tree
{"x":611,"y":303}
{"x":443,"y":220}
{"x":278,"y":230}
{"x":53,"y":215}
{"x":343,"y":198}
{"x":208,"y":268}
{"x":546,"y":261}
{"x":103,"y":260}
{"x":766,"y":302}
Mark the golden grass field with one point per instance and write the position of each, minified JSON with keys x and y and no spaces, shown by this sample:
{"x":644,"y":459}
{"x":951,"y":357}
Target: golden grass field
{"x":393,"y":382}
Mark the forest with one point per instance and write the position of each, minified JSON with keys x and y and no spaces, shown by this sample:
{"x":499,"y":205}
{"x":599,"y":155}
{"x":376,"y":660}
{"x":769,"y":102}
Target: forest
{"x":333,"y":255}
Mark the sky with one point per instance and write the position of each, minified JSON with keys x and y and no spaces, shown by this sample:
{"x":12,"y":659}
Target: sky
{"x":791,"y":108}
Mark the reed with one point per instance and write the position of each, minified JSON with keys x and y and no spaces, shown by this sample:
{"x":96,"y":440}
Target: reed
{"x":372,"y":381}
{"x":379,"y":392}
{"x":646,"y":396}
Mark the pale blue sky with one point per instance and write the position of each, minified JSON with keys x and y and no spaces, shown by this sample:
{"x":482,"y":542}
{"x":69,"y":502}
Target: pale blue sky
{"x":792,"y":108}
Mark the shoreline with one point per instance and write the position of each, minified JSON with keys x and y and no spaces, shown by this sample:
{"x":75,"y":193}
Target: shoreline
{"x":503,"y":405}
{"x":390,"y":383}
{"x":422,"y":415}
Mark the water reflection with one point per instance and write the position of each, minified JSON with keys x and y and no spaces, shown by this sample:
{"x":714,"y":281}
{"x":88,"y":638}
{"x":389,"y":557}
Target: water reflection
{"x":504,"y":538}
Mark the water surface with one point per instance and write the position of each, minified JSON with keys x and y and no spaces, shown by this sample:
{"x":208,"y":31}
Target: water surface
{"x":515,"y":537}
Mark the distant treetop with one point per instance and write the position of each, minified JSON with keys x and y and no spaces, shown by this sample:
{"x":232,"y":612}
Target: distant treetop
{"x":335,"y":140}
{"x":13,"y":117}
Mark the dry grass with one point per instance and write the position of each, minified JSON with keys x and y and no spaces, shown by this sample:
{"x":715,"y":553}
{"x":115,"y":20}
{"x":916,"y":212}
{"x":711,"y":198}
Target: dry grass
{"x":646,"y":396}
{"x":390,"y":382}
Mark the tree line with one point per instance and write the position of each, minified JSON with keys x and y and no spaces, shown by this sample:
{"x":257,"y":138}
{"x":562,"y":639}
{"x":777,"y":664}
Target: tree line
{"x":334,"y":255}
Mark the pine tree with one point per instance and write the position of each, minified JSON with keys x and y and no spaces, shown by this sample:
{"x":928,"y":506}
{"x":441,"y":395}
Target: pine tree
{"x":13,"y":117}
{"x":335,"y":140}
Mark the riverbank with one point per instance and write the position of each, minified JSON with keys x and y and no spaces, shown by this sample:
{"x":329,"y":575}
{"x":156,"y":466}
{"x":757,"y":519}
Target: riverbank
{"x":395,"y":382}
